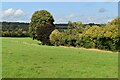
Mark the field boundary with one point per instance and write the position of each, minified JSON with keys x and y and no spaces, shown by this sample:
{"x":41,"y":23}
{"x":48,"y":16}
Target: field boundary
{"x":92,"y":49}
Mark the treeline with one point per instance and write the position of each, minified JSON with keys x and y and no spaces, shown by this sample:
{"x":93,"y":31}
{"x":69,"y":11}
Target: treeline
{"x":106,"y":37}
{"x":14,"y":29}
{"x":16,"y":33}
{"x":17,"y":29}
{"x":14,"y":26}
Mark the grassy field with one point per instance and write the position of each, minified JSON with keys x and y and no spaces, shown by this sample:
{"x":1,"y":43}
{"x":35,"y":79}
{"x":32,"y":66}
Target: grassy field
{"x":24,"y":58}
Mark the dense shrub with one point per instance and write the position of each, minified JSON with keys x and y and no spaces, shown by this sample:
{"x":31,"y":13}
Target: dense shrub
{"x":55,"y":37}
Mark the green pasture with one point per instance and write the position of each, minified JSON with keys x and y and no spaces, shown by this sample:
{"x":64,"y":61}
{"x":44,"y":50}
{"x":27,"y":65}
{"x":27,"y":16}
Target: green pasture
{"x":26,"y":58}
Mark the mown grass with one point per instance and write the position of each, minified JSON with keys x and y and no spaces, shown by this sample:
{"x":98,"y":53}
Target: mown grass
{"x":24,"y":58}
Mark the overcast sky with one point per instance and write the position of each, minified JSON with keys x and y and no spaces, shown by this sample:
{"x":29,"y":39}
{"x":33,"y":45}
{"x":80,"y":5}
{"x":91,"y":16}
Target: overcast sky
{"x":86,"y":12}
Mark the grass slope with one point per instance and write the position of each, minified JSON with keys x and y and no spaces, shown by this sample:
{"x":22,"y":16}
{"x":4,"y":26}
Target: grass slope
{"x":23,"y":58}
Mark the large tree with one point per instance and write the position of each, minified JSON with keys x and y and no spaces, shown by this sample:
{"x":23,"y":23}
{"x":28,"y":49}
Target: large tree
{"x":41,"y":26}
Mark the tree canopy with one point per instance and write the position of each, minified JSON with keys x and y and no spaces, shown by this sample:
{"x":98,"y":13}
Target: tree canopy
{"x":41,"y":24}
{"x":39,"y":18}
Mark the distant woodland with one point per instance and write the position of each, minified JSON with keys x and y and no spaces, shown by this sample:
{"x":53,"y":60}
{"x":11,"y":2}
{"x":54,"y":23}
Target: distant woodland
{"x":13,"y":26}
